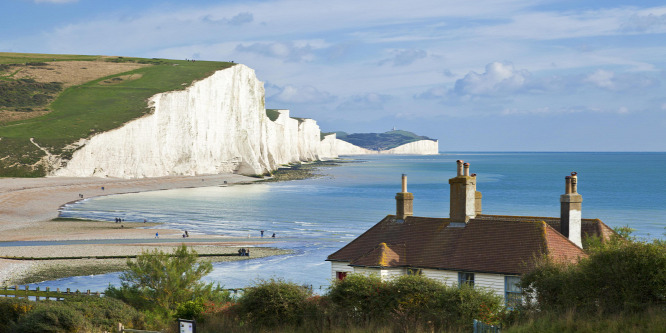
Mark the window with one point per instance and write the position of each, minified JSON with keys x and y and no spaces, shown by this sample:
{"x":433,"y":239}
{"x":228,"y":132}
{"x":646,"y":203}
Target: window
{"x":513,"y":293}
{"x":414,"y":271}
{"x":467,"y":278}
{"x":340,"y":275}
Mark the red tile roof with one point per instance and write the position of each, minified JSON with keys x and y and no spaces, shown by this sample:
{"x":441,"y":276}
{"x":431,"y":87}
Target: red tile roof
{"x":488,"y":243}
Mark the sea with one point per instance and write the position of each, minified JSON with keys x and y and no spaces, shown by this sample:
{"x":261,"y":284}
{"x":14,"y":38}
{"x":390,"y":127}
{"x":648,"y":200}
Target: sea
{"x":317,"y":216}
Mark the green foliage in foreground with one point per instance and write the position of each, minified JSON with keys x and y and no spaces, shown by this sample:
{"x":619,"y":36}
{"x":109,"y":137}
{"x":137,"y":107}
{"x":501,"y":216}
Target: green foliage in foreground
{"x":380,"y":141}
{"x":77,"y":314}
{"x":619,"y":276}
{"x":84,"y":110}
{"x":274,"y":303}
{"x":362,"y":303}
{"x":161,"y":284}
{"x":651,"y":320}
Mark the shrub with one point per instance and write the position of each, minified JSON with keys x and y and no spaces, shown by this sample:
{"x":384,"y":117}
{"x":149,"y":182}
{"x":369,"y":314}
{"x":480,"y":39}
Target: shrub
{"x":360,"y":298}
{"x":52,"y":317}
{"x":159,"y":281}
{"x":11,"y":310}
{"x":105,"y":313}
{"x":411,"y":303}
{"x":274,"y":303}
{"x":616,"y":277}
{"x":190,"y":309}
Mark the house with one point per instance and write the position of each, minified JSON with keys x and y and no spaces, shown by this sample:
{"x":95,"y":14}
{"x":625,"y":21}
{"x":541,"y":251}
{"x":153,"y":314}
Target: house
{"x":490,"y":251}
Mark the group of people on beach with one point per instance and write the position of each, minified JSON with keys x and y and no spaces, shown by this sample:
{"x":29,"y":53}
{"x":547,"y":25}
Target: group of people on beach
{"x":119,"y":220}
{"x":262,"y":234}
{"x":243,"y":252}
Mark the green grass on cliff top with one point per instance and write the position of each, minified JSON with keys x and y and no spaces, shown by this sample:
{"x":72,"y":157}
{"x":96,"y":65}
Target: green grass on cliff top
{"x":89,"y":108}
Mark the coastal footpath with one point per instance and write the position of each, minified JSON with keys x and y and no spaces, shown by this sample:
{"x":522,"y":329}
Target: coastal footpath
{"x":216,"y":125}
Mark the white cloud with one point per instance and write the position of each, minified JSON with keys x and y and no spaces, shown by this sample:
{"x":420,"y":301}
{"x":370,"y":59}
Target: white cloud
{"x":602,"y":79}
{"x":370,"y":101}
{"x":404,"y":57}
{"x":645,"y":23}
{"x":621,"y":82}
{"x":300,"y":94}
{"x":286,"y":51}
{"x":239,"y":19}
{"x":498,"y":78}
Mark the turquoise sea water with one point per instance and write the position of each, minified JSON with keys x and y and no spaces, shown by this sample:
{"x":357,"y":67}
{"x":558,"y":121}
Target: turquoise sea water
{"x":315,"y":217}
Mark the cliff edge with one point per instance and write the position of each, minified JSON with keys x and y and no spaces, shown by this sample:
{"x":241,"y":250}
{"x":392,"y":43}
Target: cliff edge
{"x":216,"y":125}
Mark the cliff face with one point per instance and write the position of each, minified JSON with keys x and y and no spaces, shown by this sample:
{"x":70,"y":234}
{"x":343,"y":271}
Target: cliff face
{"x":217,"y":125}
{"x":421,"y":147}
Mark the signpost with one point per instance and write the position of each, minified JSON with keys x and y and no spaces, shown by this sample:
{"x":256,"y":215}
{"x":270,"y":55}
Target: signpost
{"x":187,"y":326}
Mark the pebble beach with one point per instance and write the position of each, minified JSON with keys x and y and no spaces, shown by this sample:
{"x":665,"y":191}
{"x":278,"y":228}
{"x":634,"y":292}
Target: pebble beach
{"x":35,"y":244}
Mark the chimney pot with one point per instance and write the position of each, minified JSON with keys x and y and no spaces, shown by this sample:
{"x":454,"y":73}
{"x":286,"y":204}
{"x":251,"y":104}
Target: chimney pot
{"x":460,"y":167}
{"x":574,"y":182}
{"x":404,"y":201}
{"x":570,"y":211}
{"x":466,"y":168}
{"x":567,"y":186}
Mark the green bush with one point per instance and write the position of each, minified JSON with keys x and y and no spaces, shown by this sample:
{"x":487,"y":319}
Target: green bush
{"x":274,"y":303}
{"x":360,"y":298}
{"x":11,"y":311}
{"x":104,"y":313}
{"x":52,"y":317}
{"x":411,"y":303}
{"x":190,"y":309}
{"x":616,"y":277}
{"x":159,"y":281}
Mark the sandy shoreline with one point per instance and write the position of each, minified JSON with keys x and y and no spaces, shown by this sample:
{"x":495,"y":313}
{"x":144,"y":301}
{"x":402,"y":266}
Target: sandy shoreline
{"x":29,"y":205}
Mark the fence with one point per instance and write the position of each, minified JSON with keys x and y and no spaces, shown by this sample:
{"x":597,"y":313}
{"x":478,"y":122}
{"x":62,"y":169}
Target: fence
{"x":481,"y":327}
{"x":44,"y":294}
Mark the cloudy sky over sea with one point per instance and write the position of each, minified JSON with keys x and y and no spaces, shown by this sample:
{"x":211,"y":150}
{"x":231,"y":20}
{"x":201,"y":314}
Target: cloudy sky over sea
{"x":505,"y":75}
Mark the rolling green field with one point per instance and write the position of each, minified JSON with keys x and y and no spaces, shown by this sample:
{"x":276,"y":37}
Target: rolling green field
{"x":93,"y":107}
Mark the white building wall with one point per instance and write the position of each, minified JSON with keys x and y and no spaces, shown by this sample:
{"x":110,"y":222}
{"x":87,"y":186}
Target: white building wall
{"x":490,"y":281}
{"x":447,"y":277}
{"x":367,"y":271}
{"x":494,"y":282}
{"x":337,"y":266}
{"x":392,"y":273}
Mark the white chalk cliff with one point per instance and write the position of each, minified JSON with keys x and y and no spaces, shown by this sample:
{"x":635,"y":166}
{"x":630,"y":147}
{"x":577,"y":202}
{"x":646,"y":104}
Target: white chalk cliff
{"x":216,"y":125}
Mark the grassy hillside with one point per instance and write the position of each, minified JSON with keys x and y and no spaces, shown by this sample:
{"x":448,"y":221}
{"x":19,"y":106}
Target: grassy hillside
{"x":381,"y":141}
{"x":81,"y":110}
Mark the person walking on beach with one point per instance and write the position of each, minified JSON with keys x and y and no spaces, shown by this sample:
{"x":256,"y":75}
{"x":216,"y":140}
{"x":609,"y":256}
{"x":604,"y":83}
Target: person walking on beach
{"x":157,"y":235}
{"x":262,"y":233}
{"x":273,"y":235}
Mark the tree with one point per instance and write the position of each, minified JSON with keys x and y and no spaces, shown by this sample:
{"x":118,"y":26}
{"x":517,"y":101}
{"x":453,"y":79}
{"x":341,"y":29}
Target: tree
{"x":159,"y":281}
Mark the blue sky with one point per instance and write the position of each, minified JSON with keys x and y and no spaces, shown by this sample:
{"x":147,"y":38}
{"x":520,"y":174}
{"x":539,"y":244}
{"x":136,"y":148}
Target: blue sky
{"x":485,"y":75}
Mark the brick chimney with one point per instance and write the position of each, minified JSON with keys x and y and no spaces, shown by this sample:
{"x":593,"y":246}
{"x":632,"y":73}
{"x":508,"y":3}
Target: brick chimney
{"x":570,"y":210}
{"x":463,"y":194}
{"x":404,"y":201}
